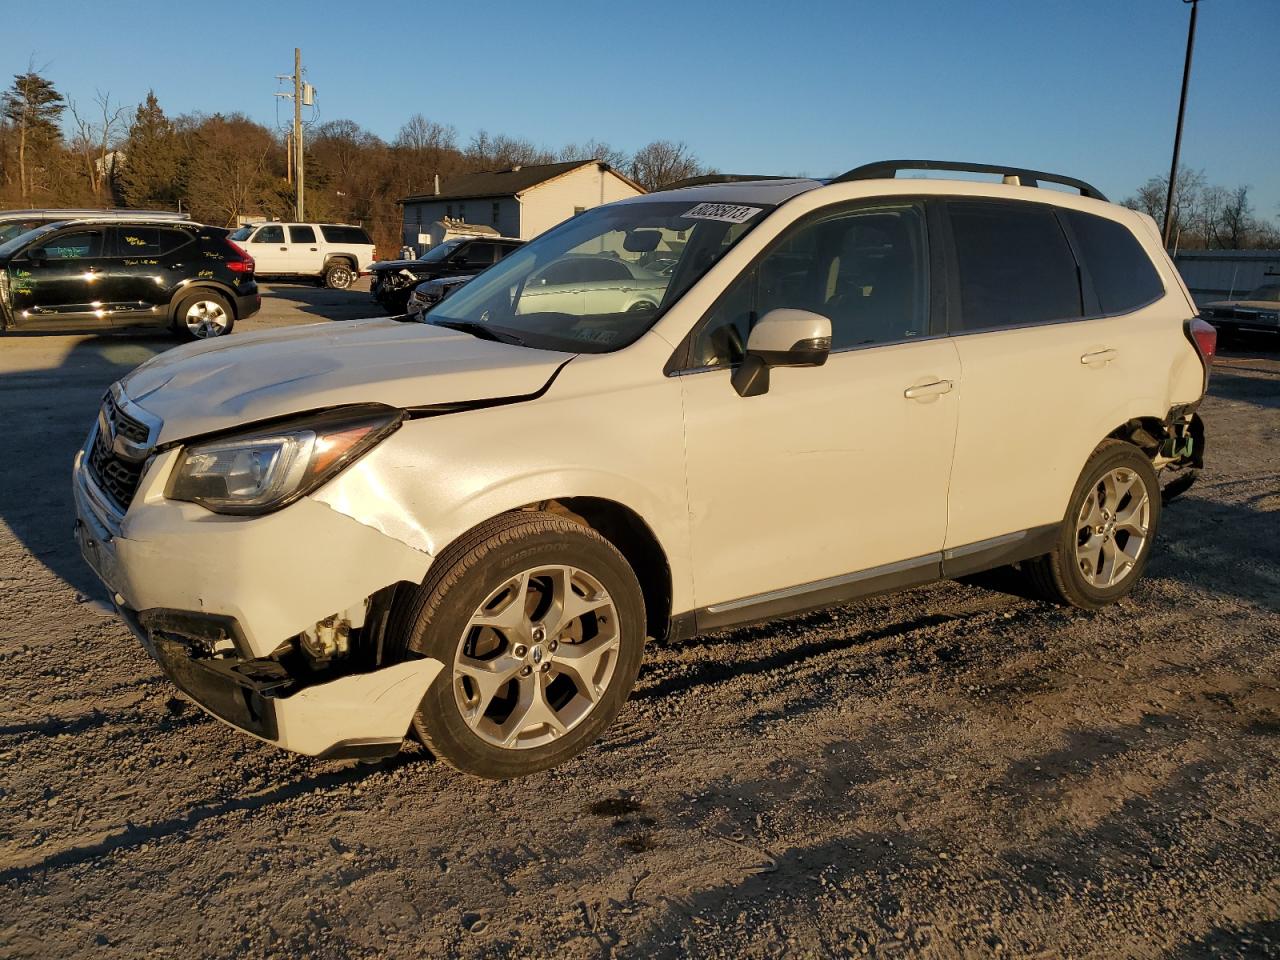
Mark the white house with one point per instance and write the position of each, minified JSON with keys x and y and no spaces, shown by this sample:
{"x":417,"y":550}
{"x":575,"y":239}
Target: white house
{"x":521,"y":201}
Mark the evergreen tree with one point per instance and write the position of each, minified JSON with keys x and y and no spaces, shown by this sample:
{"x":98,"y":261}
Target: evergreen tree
{"x":152,"y":174}
{"x":34,"y":107}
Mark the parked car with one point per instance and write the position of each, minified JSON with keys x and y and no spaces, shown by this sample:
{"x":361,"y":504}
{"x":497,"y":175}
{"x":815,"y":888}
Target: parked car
{"x":1258,"y":310}
{"x":430,"y":292}
{"x":15,"y":222}
{"x":333,"y":253}
{"x":471,"y":527}
{"x":593,"y":284}
{"x":126,"y":272}
{"x":394,"y":279}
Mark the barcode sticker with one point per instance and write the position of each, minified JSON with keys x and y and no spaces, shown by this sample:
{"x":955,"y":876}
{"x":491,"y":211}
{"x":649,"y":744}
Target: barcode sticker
{"x":726,"y":212}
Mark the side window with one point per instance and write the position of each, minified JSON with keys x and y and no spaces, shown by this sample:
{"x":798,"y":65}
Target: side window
{"x":75,"y":246}
{"x":866,"y":270}
{"x":1123,"y":276}
{"x":1015,"y":265}
{"x":272,"y":233}
{"x":302,"y":234}
{"x":148,"y":241}
{"x":504,"y":249}
{"x":341,"y":233}
{"x":478,"y":254}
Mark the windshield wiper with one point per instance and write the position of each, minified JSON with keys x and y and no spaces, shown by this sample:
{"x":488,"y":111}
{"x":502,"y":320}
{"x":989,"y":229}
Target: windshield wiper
{"x":482,"y":330}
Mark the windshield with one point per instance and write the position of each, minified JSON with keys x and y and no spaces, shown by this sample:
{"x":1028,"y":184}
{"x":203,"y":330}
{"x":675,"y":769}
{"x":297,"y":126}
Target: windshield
{"x":10,"y":247}
{"x":597,"y":282}
{"x":242,"y":233}
{"x":1268,"y":291}
{"x":12,"y":228}
{"x":436,"y":254}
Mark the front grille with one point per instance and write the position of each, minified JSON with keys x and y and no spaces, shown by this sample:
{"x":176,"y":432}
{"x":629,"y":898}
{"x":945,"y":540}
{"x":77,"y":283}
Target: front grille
{"x":117,"y":476}
{"x":127,"y":427}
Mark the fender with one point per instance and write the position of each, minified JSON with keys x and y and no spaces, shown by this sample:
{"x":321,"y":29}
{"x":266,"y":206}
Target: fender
{"x":186,"y":286}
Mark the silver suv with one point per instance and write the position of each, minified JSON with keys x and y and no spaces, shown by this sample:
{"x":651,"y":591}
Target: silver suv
{"x":470,"y":527}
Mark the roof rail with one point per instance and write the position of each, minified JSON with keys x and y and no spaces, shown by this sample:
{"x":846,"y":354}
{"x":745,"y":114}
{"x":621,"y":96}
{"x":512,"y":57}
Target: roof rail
{"x":1018,"y":176}
{"x":711,"y":178}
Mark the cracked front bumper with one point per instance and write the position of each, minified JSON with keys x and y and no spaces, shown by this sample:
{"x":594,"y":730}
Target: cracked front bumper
{"x":273,"y":577}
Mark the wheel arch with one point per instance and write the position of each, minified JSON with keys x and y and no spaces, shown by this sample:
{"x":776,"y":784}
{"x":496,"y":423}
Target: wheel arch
{"x":227,"y":293}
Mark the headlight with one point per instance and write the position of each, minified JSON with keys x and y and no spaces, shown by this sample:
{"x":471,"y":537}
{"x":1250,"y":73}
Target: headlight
{"x":252,"y":473}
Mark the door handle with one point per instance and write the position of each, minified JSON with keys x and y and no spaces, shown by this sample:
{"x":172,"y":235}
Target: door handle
{"x":927,"y":391}
{"x":1099,"y":357}
{"x":284,"y":249}
{"x":314,"y":249}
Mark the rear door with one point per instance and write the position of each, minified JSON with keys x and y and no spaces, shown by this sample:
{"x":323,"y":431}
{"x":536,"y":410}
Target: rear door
{"x":146,"y":265}
{"x":1047,"y":372}
{"x":303,"y":254}
{"x":270,"y":249}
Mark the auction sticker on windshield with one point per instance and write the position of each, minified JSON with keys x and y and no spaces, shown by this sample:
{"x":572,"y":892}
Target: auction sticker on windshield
{"x":727,"y":212}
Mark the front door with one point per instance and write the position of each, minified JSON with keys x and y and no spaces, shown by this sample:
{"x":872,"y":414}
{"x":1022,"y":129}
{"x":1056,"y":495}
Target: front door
{"x":837,"y":470}
{"x":269,"y":250}
{"x":66,"y":287}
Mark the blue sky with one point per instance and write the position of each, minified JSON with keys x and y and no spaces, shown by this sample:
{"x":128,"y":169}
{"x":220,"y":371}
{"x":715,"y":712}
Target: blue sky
{"x":1085,"y":87}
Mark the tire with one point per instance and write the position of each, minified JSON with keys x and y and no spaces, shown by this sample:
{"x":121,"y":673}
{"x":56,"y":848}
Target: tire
{"x":203,"y":315}
{"x":338,"y":275}
{"x":516,"y":570}
{"x":1117,"y":528}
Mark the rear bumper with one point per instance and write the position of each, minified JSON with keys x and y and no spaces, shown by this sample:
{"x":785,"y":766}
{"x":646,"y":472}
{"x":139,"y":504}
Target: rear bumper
{"x":247,"y":304}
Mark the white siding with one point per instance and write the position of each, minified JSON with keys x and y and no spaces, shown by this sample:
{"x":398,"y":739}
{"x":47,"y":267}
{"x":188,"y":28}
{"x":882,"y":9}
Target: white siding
{"x":554,"y":202}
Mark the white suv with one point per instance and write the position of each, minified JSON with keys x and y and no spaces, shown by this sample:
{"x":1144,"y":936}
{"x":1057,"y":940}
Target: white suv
{"x":469,"y":527}
{"x":334,"y":253}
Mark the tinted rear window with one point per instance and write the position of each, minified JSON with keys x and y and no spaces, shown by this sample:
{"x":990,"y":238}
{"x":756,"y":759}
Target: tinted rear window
{"x":1015,"y":265}
{"x":336,"y":234}
{"x":1123,"y":276}
{"x":148,"y":241}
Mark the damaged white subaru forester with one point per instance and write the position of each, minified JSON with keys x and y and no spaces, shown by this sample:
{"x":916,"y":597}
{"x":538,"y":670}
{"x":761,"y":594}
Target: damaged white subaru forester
{"x":468,"y":527}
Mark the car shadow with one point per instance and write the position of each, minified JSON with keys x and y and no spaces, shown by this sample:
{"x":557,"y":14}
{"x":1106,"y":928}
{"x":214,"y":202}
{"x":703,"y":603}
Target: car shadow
{"x":353,"y":303}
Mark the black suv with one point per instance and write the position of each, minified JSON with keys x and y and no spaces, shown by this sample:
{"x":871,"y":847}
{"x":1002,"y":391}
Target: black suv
{"x":394,"y":279}
{"x":84,"y":273}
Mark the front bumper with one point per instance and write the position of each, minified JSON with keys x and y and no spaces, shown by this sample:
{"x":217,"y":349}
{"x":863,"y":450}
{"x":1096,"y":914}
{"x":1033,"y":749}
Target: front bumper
{"x":272,"y":577}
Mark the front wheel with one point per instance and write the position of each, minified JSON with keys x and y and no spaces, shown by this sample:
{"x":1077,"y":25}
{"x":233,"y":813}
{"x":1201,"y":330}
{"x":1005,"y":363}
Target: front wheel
{"x":1106,"y":537}
{"x":540,"y":624}
{"x":338,"y":275}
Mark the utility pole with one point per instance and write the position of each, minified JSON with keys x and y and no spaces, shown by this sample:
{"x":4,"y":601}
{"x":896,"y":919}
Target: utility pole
{"x":300,"y":170}
{"x":1177,"y":136}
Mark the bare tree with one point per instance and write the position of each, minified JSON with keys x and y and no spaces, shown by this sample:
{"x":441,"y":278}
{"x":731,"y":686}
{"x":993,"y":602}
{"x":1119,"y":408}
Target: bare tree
{"x":1150,"y":199}
{"x":663,"y":162}
{"x":1236,"y":221}
{"x":596,"y":150}
{"x":486,"y":152}
{"x":94,"y":139}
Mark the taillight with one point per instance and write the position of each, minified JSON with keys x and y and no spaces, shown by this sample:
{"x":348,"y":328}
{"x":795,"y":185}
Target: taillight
{"x":1205,"y":336}
{"x":243,"y":262}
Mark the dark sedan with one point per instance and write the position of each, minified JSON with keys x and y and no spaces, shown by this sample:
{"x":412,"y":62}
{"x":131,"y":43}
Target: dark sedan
{"x":1259,"y":310}
{"x":394,"y":279}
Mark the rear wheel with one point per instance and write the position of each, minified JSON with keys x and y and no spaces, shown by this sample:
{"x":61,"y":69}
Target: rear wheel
{"x":1106,"y":537}
{"x":540,"y":624}
{"x":338,"y":275}
{"x":203,"y":315}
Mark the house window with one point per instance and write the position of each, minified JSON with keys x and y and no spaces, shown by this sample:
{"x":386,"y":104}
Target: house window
{"x":462,"y":212}
{"x":448,"y":212}
{"x":496,"y":210}
{"x":417,"y":215}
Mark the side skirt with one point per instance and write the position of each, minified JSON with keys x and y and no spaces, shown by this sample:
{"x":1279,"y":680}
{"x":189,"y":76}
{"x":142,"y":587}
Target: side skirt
{"x":948,"y":564}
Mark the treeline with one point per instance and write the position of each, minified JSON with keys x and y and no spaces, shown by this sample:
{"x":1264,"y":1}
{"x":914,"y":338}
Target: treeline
{"x":55,"y":152}
{"x":1206,"y":216}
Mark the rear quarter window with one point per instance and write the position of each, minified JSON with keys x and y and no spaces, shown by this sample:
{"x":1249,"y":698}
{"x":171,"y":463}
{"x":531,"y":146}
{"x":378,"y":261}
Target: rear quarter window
{"x":1124,"y":278}
{"x":337,"y":234}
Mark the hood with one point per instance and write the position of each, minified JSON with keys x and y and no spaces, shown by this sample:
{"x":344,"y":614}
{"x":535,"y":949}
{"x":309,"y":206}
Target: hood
{"x":401,"y":264}
{"x":243,"y":378}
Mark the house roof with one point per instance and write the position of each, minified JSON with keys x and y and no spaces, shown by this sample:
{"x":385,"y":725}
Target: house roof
{"x":506,"y":183}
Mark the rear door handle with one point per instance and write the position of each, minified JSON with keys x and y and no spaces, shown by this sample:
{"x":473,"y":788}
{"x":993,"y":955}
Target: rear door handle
{"x":926,"y":392}
{"x":1099,"y":357}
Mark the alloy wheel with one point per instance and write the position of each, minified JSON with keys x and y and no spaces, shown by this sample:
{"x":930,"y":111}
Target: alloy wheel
{"x":1112,"y":527}
{"x":207,"y":318}
{"x":536,"y":657}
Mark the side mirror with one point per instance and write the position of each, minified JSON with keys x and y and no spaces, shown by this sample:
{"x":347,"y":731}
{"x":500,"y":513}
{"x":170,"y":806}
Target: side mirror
{"x":782,"y":338}
{"x":38,"y":255}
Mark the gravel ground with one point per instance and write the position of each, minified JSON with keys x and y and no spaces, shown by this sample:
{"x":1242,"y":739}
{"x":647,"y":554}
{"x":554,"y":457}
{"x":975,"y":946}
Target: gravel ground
{"x":951,"y":772}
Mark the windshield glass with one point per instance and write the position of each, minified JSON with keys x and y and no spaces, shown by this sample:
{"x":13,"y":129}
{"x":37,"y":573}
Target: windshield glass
{"x":597,"y":282}
{"x":435,"y":254}
{"x":1268,"y":291}
{"x":10,"y":247}
{"x":12,"y":228}
{"x":242,"y":233}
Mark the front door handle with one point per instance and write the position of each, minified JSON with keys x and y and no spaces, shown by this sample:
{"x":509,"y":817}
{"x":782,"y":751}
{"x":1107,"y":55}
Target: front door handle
{"x":1099,"y":357}
{"x":927,"y":392}
{"x":284,"y":249}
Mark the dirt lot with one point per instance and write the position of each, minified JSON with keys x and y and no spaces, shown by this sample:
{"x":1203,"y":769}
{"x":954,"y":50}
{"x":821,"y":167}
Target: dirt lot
{"x":951,"y":772}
